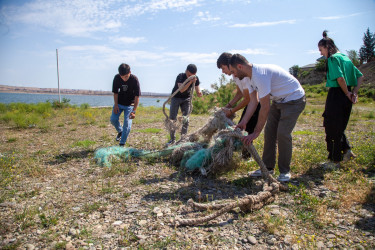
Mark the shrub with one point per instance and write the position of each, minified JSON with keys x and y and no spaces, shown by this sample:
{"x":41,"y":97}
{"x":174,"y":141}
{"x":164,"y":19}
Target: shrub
{"x":321,"y":65}
{"x":224,"y":92}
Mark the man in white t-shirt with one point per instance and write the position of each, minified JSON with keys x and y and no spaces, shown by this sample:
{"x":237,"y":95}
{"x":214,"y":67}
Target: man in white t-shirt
{"x":271,"y":82}
{"x":248,"y":102}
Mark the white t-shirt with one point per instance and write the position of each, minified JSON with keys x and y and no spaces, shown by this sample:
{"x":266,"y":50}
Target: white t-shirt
{"x":242,"y":84}
{"x":274,"y":80}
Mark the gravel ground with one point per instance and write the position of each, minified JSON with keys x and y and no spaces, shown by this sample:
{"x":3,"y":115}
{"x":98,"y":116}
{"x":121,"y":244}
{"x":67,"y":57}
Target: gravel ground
{"x":68,"y":202}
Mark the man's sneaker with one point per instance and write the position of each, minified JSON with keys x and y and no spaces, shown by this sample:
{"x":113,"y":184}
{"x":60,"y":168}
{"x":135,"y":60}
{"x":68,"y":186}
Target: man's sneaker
{"x":171,"y":142}
{"x":118,"y":137}
{"x":348,"y":156}
{"x":284,"y":177}
{"x":258,"y":173}
{"x":122,"y":145}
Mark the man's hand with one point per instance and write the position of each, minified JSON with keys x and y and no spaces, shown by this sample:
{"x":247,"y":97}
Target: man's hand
{"x":241,"y":126}
{"x":250,"y":138}
{"x":116,"y":109}
{"x":199,"y":94}
{"x":132,"y":115}
{"x":228,"y":112}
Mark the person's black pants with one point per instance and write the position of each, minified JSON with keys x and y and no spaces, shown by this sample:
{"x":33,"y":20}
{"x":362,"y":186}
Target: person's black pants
{"x":250,"y":126}
{"x":336,"y":117}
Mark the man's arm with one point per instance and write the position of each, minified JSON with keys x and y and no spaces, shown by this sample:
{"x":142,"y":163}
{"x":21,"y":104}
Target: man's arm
{"x":235,"y":99}
{"x":251,"y":107}
{"x":262,"y":119}
{"x":136,"y":101}
{"x":245,"y":101}
{"x":115,"y":108}
{"x":187,"y":85}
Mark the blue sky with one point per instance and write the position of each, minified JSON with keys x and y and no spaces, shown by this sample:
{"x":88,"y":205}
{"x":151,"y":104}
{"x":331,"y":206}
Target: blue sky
{"x":159,"y":38}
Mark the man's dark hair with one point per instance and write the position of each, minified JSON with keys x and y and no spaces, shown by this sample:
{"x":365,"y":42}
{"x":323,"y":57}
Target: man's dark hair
{"x":123,"y":69}
{"x":238,"y":59}
{"x":192,"y":68}
{"x":224,"y":59}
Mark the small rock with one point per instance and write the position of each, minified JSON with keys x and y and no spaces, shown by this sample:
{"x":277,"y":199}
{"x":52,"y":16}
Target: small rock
{"x":69,"y":246}
{"x":275,"y":212}
{"x":72,"y":232}
{"x":288,"y":240}
{"x":156,"y":210}
{"x":331,"y":236}
{"x":295,"y":247}
{"x":117,"y":223}
{"x":320,"y":245}
{"x":133,"y":210}
{"x":252,"y":240}
{"x":76,"y":209}
{"x":29,"y":247}
{"x":142,"y":222}
{"x":271,"y":241}
{"x":329,"y":244}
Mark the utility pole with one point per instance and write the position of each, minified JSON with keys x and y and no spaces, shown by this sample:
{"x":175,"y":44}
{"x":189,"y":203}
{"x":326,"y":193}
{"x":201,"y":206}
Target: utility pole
{"x":58,"y":80}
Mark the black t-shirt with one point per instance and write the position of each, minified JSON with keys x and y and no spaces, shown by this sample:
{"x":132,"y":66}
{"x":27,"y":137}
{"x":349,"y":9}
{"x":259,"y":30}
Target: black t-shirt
{"x":127,"y":91}
{"x":180,"y":79}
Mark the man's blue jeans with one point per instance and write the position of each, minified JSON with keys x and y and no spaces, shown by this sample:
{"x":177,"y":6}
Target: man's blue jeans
{"x":115,"y":120}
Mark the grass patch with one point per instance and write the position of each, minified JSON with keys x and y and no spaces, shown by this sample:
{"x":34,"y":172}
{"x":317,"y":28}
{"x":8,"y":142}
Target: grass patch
{"x":150,"y":130}
{"x":83,"y":144}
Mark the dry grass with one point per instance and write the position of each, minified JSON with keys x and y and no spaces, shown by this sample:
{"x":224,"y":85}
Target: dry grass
{"x":58,"y":152}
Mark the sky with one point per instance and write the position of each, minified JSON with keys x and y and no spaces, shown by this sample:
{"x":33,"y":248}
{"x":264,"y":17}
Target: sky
{"x":159,"y":38}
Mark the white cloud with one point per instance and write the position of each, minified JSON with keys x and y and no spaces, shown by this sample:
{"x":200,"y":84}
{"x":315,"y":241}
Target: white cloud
{"x":205,"y":17}
{"x":313,"y":51}
{"x":262,"y":24}
{"x":84,"y":17}
{"x":251,"y":52}
{"x":338,"y":17}
{"x":128,"y":40}
{"x":193,"y":57}
{"x":102,"y":55}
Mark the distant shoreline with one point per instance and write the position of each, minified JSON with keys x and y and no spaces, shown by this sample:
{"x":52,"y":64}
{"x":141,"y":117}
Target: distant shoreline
{"x":52,"y":93}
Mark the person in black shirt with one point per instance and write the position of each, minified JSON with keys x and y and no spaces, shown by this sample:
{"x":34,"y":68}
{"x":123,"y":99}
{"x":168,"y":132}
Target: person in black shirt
{"x":182,"y":99}
{"x":126,"y":92}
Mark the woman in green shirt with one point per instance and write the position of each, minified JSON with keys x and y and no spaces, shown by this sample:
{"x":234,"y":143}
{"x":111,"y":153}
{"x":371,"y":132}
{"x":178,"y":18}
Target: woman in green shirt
{"x":343,"y":80}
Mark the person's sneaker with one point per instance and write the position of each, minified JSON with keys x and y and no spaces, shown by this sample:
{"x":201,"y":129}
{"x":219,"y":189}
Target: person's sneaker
{"x":171,"y":142}
{"x":118,"y":137}
{"x":122,"y":145}
{"x":283,"y":177}
{"x":348,"y":156}
{"x":258,"y":173}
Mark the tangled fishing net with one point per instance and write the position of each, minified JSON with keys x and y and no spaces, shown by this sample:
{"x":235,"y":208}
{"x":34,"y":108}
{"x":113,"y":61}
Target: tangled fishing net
{"x":208,"y":150}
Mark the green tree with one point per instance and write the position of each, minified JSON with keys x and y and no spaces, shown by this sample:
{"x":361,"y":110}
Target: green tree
{"x":367,"y":51}
{"x":321,"y":65}
{"x":223,"y":93}
{"x":353,"y":56}
{"x":294,"y":70}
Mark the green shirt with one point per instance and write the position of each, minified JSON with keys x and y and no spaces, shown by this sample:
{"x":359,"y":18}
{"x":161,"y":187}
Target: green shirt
{"x":339,"y":65}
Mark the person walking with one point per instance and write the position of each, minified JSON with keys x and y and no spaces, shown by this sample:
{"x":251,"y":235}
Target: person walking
{"x":344,"y":81}
{"x":288,"y":101}
{"x":182,"y":99}
{"x":126,"y":91}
